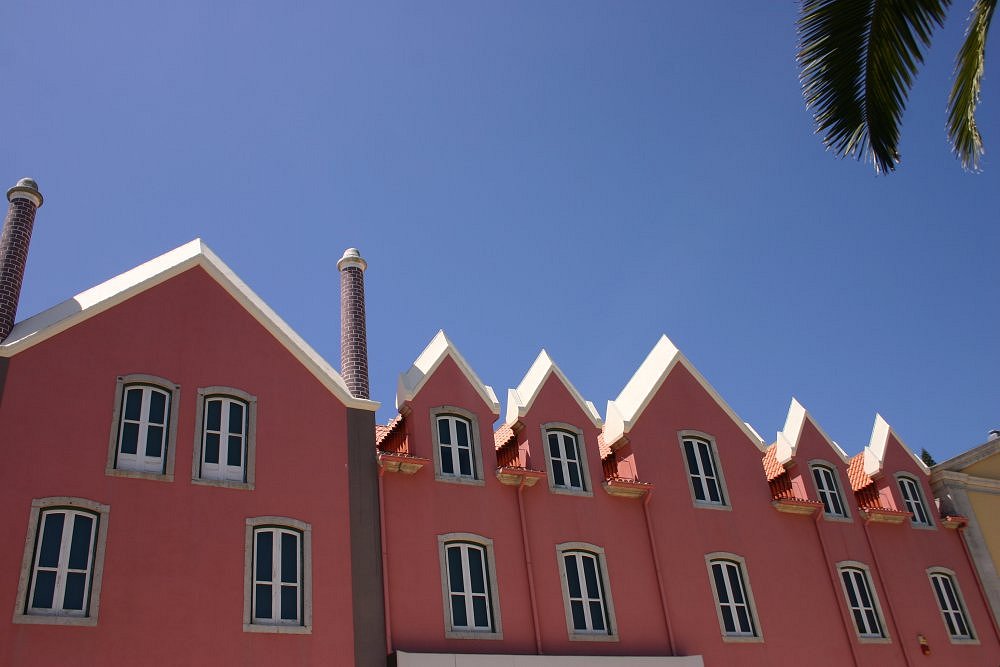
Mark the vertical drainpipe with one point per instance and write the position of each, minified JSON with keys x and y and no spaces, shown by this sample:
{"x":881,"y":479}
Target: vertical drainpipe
{"x":881,"y":581}
{"x":838,"y":593}
{"x":368,"y":595}
{"x":24,"y":200}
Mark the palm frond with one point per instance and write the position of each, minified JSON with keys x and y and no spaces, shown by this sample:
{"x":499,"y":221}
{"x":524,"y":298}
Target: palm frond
{"x":857,"y":61}
{"x":966,"y":141}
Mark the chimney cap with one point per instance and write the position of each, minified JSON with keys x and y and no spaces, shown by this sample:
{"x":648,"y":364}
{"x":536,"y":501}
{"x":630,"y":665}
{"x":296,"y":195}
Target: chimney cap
{"x":29,"y":187}
{"x":352,"y":257}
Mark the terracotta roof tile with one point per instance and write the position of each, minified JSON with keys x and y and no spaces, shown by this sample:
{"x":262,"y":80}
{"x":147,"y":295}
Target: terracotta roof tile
{"x":856,"y":473}
{"x":772,"y":468}
{"x":603,"y":446}
{"x":503,"y":436}
{"x":384,"y":432}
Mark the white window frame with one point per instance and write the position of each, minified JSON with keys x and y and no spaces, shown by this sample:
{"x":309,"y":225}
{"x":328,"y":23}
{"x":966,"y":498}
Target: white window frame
{"x":209,"y":474}
{"x":831,"y":488}
{"x":952,"y":608}
{"x":452,"y":413}
{"x":566,"y":431}
{"x":729,"y":563}
{"x":278,"y":525}
{"x":485,"y":545}
{"x":40,"y":509}
{"x":581,"y":551}
{"x":131,"y":466}
{"x":859,"y":574}
{"x":699,"y":438}
{"x":914,"y":501}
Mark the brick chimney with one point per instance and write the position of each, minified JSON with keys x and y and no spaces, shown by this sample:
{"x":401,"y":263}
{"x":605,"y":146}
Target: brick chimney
{"x":353,"y":336}
{"x":24,"y":200}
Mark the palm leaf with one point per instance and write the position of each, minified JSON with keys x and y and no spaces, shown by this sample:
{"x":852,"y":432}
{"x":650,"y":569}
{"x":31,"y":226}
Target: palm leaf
{"x":962,"y":130}
{"x":857,"y":61}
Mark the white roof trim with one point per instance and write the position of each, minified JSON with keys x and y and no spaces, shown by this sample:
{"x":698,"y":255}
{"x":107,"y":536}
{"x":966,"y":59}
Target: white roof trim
{"x":879,"y":442}
{"x":639,"y":391}
{"x":520,"y":400}
{"x":788,"y":438}
{"x":110,"y":293}
{"x":440,"y":347}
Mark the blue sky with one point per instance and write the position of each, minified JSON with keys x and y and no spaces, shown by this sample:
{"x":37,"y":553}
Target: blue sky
{"x":579,"y":176}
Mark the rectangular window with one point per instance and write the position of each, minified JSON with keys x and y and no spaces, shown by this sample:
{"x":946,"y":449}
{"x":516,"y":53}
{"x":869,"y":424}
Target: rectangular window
{"x":469,"y":587}
{"x":585,"y":591}
{"x":63,"y":558}
{"x":862,"y":602}
{"x":735,"y":606}
{"x":144,"y":428}
{"x":455,"y":447}
{"x":952,"y":606}
{"x":142,"y":438}
{"x":829,"y":491}
{"x":567,"y":463}
{"x":278,"y":575}
{"x":703,"y":471}
{"x":914,"y":501}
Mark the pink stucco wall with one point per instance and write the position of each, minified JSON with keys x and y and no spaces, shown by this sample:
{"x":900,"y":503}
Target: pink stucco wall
{"x":173,"y":580}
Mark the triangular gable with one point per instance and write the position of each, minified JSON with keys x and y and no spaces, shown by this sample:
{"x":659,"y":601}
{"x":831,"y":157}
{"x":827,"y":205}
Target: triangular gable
{"x":647,"y":380}
{"x":119,"y":289}
{"x":520,"y":400}
{"x":876,"y":449}
{"x":787,"y":442}
{"x":423,"y":368}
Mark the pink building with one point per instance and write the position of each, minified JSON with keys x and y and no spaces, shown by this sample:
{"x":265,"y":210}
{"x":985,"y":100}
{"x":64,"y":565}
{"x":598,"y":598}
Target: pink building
{"x":187,"y":481}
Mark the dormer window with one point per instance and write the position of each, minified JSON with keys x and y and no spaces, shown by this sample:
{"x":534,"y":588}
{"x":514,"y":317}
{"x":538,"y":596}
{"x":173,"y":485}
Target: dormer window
{"x":704,"y":473}
{"x":828,"y":489}
{"x":565,"y":459}
{"x":913,"y":498}
{"x":456,"y":455}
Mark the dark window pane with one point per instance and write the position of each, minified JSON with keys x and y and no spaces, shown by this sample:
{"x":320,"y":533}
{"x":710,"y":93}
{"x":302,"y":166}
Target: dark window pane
{"x":265,"y":554}
{"x":289,"y":558}
{"x":849,"y":585}
{"x":590,"y":575}
{"x":951,"y":624}
{"x":213,"y":415}
{"x":570,"y":448}
{"x":234,"y":453}
{"x":713,"y":490}
{"x":859,"y":620}
{"x":157,"y":407}
{"x":704,"y":453}
{"x":465,"y":462}
{"x":873,"y":622}
{"x":262,"y":602}
{"x":211,"y":448}
{"x":558,"y":478}
{"x":462,"y":433}
{"x":133,"y":404}
{"x":479,"y":614}
{"x":597,"y":615}
{"x":456,"y":585}
{"x":727,"y":619}
{"x":444,"y":432}
{"x":574,"y":475}
{"x":692,"y":462}
{"x":154,"y":441}
{"x":743,"y":618}
{"x":554,"y":446}
{"x":76,"y":583}
{"x":736,"y":585}
{"x":458,"y":615}
{"x":130,"y":438}
{"x":476,"y":580}
{"x":447,"y":465}
{"x":864,"y":593}
{"x":699,"y":489}
{"x":940,"y":594}
{"x":51,"y":539}
{"x":289,"y":603}
{"x":579,"y":619}
{"x":720,"y":583}
{"x":572,"y":576}
{"x":79,"y":550}
{"x":45,"y":586}
{"x":236,"y":418}
{"x":963,"y":629}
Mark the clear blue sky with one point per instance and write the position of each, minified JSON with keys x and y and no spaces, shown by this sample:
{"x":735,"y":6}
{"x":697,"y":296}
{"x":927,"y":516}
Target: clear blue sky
{"x":578,"y":176}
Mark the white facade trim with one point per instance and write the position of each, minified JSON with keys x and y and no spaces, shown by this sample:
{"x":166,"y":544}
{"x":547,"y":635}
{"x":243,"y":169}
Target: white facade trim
{"x":787,"y":442}
{"x":879,"y":442}
{"x":412,"y":381}
{"x":520,"y":400}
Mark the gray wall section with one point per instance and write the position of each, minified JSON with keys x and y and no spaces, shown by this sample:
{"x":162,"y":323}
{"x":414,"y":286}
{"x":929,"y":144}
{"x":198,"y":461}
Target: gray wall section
{"x":366,"y":541}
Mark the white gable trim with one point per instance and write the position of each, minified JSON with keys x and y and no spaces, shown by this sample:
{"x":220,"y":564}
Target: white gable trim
{"x":423,"y":368}
{"x":879,"y":442}
{"x":520,"y":400}
{"x":625,"y":410}
{"x":788,"y":438}
{"x":119,"y":289}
